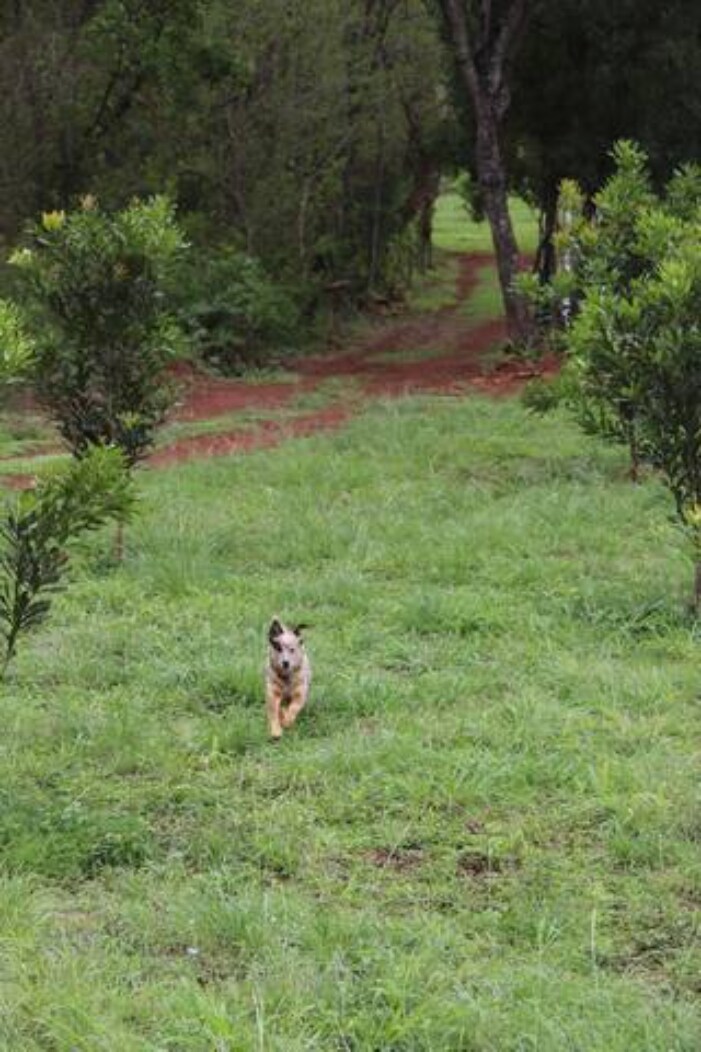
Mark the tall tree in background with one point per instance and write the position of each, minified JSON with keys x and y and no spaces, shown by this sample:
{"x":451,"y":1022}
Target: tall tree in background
{"x":591,"y":72}
{"x":320,"y":161}
{"x":483,"y":36}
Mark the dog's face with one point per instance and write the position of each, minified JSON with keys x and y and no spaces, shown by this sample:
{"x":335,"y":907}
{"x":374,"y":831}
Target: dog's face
{"x":286,"y":648}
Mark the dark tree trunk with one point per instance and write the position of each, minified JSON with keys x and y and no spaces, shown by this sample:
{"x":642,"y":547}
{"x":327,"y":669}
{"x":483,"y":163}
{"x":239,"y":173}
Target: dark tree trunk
{"x":545,"y":261}
{"x":494,"y":189}
{"x":481,"y":58}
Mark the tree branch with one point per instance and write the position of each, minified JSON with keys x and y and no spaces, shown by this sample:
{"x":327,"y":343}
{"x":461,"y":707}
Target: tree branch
{"x":455,"y":19}
{"x":510,"y":34}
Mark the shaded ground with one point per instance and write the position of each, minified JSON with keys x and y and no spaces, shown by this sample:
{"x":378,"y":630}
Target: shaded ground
{"x":440,"y":351}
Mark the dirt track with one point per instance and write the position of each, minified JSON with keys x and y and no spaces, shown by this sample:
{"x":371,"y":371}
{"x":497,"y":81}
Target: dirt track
{"x":448,"y":356}
{"x":435,"y":351}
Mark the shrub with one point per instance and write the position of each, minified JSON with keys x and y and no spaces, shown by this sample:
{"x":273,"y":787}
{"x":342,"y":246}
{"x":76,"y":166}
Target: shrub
{"x":16,"y":346}
{"x":663,"y":323}
{"x":231,"y":310}
{"x":94,"y":285}
{"x":38,"y":525}
{"x":634,"y":349}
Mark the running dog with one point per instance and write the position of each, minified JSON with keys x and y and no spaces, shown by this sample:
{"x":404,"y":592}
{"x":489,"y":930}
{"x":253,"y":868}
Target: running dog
{"x":287,"y":677}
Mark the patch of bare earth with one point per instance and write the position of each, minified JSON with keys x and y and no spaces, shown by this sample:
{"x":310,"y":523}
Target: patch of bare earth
{"x":397,"y":859}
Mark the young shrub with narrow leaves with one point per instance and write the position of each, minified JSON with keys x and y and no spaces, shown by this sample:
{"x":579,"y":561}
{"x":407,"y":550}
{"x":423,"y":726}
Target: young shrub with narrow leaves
{"x":665,"y":324}
{"x":37,"y":527}
{"x":94,"y":286}
{"x":598,"y":263}
{"x":16,"y":347}
{"x":633,"y":369}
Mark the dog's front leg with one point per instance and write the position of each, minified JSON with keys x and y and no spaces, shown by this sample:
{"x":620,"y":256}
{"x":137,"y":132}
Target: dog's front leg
{"x":273,"y":700}
{"x":297,"y":703}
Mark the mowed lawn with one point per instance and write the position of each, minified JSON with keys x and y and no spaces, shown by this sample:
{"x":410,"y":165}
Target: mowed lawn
{"x":484,"y":832}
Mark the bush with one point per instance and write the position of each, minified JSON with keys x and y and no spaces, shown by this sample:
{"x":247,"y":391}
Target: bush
{"x":94,"y":287}
{"x":663,"y":324}
{"x":16,"y":347}
{"x":232,"y":312}
{"x":38,"y":525}
{"x":634,"y":349}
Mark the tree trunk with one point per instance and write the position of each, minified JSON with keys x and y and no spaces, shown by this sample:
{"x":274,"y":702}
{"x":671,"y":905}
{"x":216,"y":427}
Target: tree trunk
{"x":634,"y":456}
{"x":544,"y":265}
{"x":482,"y":52}
{"x":376,"y":227}
{"x":493,"y":186}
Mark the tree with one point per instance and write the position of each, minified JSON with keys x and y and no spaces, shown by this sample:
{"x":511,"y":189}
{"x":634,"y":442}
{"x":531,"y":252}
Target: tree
{"x":93,"y":283}
{"x":484,"y":37}
{"x":604,"y":261}
{"x":315,"y":161}
{"x":591,"y":72}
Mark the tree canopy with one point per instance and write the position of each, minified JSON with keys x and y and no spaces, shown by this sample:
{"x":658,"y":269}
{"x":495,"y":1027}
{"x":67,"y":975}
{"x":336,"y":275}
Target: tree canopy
{"x":312,"y":135}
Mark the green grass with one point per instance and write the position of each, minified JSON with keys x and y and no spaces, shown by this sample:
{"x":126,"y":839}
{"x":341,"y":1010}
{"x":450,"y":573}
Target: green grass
{"x":22,"y":431}
{"x":454,"y":231}
{"x":484,"y":833}
{"x":436,"y":289}
{"x":485,"y":302}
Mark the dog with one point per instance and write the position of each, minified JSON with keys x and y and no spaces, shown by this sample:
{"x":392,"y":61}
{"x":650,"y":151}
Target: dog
{"x":287,"y":677}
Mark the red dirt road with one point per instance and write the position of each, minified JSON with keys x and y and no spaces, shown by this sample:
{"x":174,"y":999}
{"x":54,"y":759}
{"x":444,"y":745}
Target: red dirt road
{"x":459,"y":365}
{"x":436,"y":351}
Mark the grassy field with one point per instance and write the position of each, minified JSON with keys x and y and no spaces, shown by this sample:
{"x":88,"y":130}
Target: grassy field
{"x":484,"y":833}
{"x":454,"y":230}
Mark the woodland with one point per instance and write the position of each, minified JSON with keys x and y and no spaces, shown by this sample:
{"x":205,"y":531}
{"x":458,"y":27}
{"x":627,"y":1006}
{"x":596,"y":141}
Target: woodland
{"x":304,"y":143}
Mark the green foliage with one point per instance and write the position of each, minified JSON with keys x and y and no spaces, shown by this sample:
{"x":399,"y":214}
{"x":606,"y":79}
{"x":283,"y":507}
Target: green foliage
{"x":683,"y":192}
{"x":543,"y":396}
{"x":610,"y":253}
{"x":467,"y":189}
{"x":234,"y":315}
{"x":36,"y":528}
{"x":591,"y":71}
{"x":16,"y":346}
{"x":94,"y":284}
{"x":314,"y":159}
{"x":601,"y":263}
{"x":634,"y":347}
{"x":663,"y":324}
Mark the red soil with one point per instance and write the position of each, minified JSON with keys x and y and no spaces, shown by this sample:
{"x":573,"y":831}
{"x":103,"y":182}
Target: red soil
{"x":267,"y":433}
{"x":459,"y":366}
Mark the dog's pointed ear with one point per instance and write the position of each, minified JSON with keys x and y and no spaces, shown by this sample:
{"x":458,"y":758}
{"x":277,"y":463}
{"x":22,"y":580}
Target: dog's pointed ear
{"x":298,"y":629}
{"x":275,"y":630}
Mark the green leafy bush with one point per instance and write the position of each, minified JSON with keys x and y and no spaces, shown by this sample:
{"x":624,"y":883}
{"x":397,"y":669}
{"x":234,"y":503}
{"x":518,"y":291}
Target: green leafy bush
{"x":94,"y":285}
{"x":233,"y":313}
{"x":38,"y":525}
{"x":663,"y":324}
{"x":16,"y":346}
{"x":634,"y":348}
